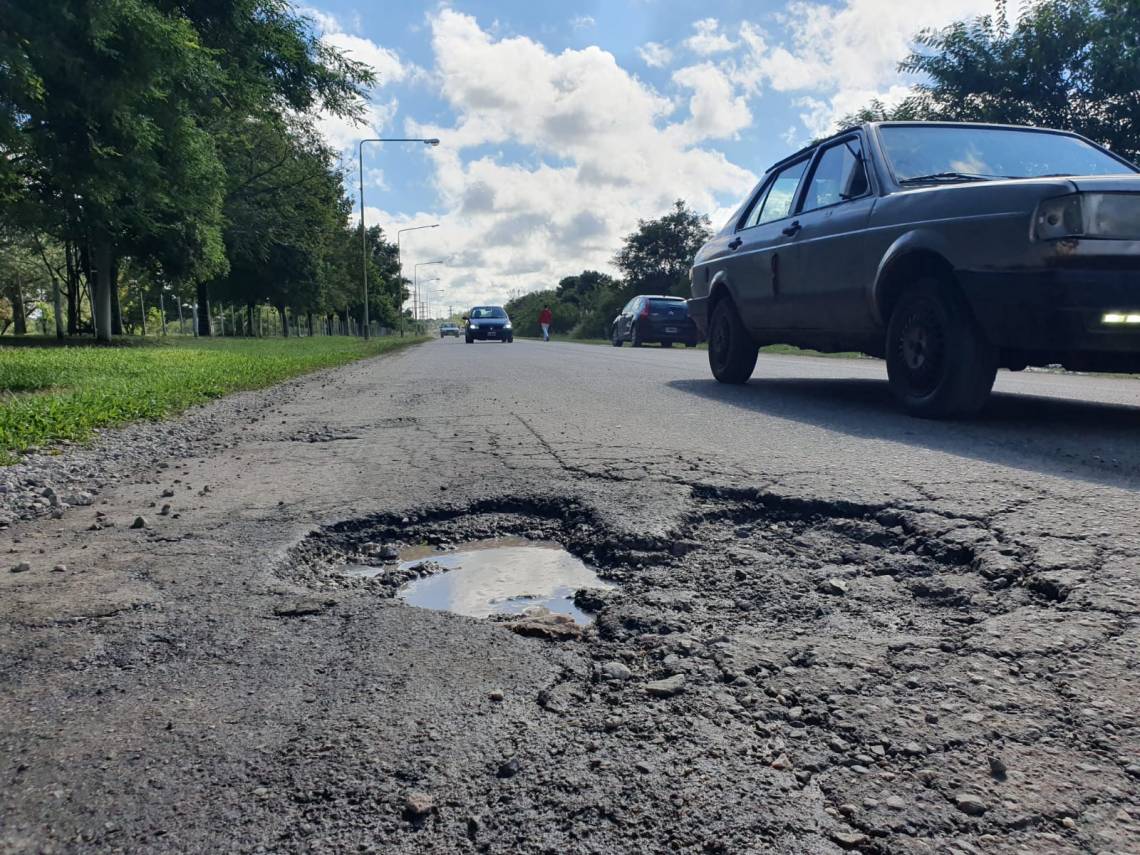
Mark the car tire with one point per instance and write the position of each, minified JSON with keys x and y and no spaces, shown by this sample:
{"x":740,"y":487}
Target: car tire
{"x":939,"y":363}
{"x":732,"y":352}
{"x":470,"y":340}
{"x":666,"y":344}
{"x":635,"y":337}
{"x":690,"y":344}
{"x":615,"y":339}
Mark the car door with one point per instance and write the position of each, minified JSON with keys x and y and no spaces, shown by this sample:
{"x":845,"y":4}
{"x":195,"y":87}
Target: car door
{"x":625,"y":321}
{"x":755,"y":268}
{"x":828,"y":269}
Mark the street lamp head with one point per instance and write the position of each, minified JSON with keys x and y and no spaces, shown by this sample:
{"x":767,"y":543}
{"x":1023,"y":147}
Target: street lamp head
{"x":433,"y":141}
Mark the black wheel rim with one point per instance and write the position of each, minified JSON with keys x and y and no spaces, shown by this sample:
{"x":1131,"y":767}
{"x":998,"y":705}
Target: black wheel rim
{"x":921,"y":349}
{"x":720,"y":341}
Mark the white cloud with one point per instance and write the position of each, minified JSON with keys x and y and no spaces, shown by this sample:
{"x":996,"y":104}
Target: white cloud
{"x":383,"y":61}
{"x":583,"y":22}
{"x":655,"y":55}
{"x":715,"y":112}
{"x":343,"y":134}
{"x":708,"y":39}
{"x":603,"y":150}
{"x":843,"y":55}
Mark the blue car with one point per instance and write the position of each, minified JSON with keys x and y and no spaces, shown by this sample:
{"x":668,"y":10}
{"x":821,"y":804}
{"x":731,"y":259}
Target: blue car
{"x":488,"y":323}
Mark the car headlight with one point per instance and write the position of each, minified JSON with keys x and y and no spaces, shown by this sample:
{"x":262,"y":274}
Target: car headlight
{"x":1093,"y":215}
{"x":473,"y":325}
{"x":507,"y":325}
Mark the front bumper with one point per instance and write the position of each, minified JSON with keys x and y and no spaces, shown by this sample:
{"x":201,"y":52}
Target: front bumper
{"x":490,"y":333}
{"x":1059,"y":312}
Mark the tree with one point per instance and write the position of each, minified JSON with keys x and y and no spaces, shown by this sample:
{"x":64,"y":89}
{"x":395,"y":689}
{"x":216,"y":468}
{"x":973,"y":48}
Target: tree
{"x":103,"y":117}
{"x":657,"y":257}
{"x":120,"y":121}
{"x":1068,"y":64}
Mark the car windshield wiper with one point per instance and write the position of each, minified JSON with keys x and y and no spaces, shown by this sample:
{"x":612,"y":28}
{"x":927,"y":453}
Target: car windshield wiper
{"x":947,"y":177}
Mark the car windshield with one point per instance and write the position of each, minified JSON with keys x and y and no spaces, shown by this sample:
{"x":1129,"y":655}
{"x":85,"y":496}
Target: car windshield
{"x":920,"y":153}
{"x":480,"y":312}
{"x":668,"y":304}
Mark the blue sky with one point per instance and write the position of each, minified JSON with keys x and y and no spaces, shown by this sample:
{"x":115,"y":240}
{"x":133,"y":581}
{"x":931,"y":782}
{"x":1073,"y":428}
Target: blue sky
{"x":562,"y":123}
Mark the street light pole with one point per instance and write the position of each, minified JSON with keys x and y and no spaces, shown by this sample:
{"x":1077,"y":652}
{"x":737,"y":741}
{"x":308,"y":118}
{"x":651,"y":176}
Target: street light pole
{"x":416,"y":295}
{"x":400,"y":262}
{"x":363,"y":230}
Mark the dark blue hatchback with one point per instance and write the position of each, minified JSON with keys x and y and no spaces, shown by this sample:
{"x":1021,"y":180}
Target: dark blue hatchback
{"x":654,"y":318}
{"x":488,"y":323}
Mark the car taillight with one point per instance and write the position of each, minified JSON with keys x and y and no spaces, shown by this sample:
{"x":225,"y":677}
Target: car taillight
{"x":645,"y":311}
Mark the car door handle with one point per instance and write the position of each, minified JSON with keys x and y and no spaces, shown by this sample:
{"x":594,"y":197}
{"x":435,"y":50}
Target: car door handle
{"x":736,"y":243}
{"x":793,"y":228}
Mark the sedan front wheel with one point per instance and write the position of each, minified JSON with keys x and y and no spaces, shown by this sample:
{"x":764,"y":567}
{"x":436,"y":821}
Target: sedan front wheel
{"x":732,"y":352}
{"x":939,"y":363}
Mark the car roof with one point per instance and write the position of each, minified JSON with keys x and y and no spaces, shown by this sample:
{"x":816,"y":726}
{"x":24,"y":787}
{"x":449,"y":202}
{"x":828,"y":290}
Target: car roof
{"x":850,"y":129}
{"x":661,"y":297}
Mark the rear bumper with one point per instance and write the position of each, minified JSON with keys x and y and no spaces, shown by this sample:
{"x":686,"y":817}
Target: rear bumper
{"x":1059,"y":312}
{"x":684,"y":331}
{"x":699,"y":314}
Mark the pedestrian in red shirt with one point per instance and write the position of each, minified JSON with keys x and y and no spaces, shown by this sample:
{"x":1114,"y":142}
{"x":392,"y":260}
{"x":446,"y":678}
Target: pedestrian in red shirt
{"x":545,"y":319}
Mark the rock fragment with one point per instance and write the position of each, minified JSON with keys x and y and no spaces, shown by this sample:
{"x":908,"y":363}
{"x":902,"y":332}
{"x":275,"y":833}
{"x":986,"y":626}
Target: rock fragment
{"x":666,"y":688}
{"x":418,"y":804}
{"x":540,"y":622}
{"x":22,"y":567}
{"x":615,"y":671}
{"x":969,"y":804}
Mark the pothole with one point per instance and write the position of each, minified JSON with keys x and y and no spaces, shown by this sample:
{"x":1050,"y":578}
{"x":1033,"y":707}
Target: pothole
{"x":505,"y":575}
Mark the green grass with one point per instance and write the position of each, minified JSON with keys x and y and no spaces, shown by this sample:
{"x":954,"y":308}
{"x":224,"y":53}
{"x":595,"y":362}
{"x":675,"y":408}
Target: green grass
{"x":787,"y":349}
{"x":53,"y":393}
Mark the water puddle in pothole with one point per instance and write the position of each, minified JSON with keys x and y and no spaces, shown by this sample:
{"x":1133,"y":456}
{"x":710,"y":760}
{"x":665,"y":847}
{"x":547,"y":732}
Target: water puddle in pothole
{"x":500,"y":576}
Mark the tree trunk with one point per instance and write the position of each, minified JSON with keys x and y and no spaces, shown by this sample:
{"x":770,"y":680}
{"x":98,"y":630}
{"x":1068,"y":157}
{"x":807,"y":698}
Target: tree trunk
{"x":284,"y":321}
{"x":204,"y":309}
{"x":309,"y":319}
{"x":72,"y":290}
{"x":104,"y":285}
{"x":16,"y":296}
{"x":249,"y":320}
{"x":116,"y":303}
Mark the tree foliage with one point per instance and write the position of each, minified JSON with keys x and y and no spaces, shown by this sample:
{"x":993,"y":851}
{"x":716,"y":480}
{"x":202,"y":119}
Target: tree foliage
{"x":1068,"y":64}
{"x":172,"y":142}
{"x":655,"y":259}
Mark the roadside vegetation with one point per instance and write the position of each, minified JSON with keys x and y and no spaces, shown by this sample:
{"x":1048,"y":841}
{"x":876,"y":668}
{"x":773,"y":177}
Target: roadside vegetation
{"x":162,"y":162}
{"x":53,"y":393}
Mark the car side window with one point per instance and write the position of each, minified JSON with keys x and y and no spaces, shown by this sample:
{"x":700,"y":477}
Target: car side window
{"x":779,"y":196}
{"x":839,"y":175}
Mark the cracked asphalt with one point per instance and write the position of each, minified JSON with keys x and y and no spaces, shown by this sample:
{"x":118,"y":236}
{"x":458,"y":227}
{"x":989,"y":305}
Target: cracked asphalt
{"x":835,"y":628}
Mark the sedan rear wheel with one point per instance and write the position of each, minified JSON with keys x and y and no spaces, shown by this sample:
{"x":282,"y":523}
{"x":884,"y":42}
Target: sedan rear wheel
{"x":635,"y":337}
{"x":939,"y":363}
{"x":732,"y":352}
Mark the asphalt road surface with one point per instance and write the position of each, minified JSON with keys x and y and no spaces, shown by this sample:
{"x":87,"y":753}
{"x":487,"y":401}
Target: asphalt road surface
{"x":834,"y":628}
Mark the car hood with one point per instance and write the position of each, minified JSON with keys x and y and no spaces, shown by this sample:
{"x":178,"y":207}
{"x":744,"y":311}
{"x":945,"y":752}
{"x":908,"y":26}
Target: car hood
{"x":1107,"y":183}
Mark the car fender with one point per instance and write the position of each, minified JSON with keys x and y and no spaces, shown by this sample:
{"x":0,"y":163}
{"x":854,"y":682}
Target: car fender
{"x":920,"y":240}
{"x":720,"y":286}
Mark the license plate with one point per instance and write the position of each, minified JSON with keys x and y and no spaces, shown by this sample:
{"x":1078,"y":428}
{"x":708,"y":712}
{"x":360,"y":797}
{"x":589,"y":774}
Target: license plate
{"x":670,"y":329}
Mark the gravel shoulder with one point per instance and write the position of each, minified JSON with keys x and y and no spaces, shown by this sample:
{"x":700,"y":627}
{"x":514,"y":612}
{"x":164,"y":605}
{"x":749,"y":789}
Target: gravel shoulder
{"x":821,"y":640}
